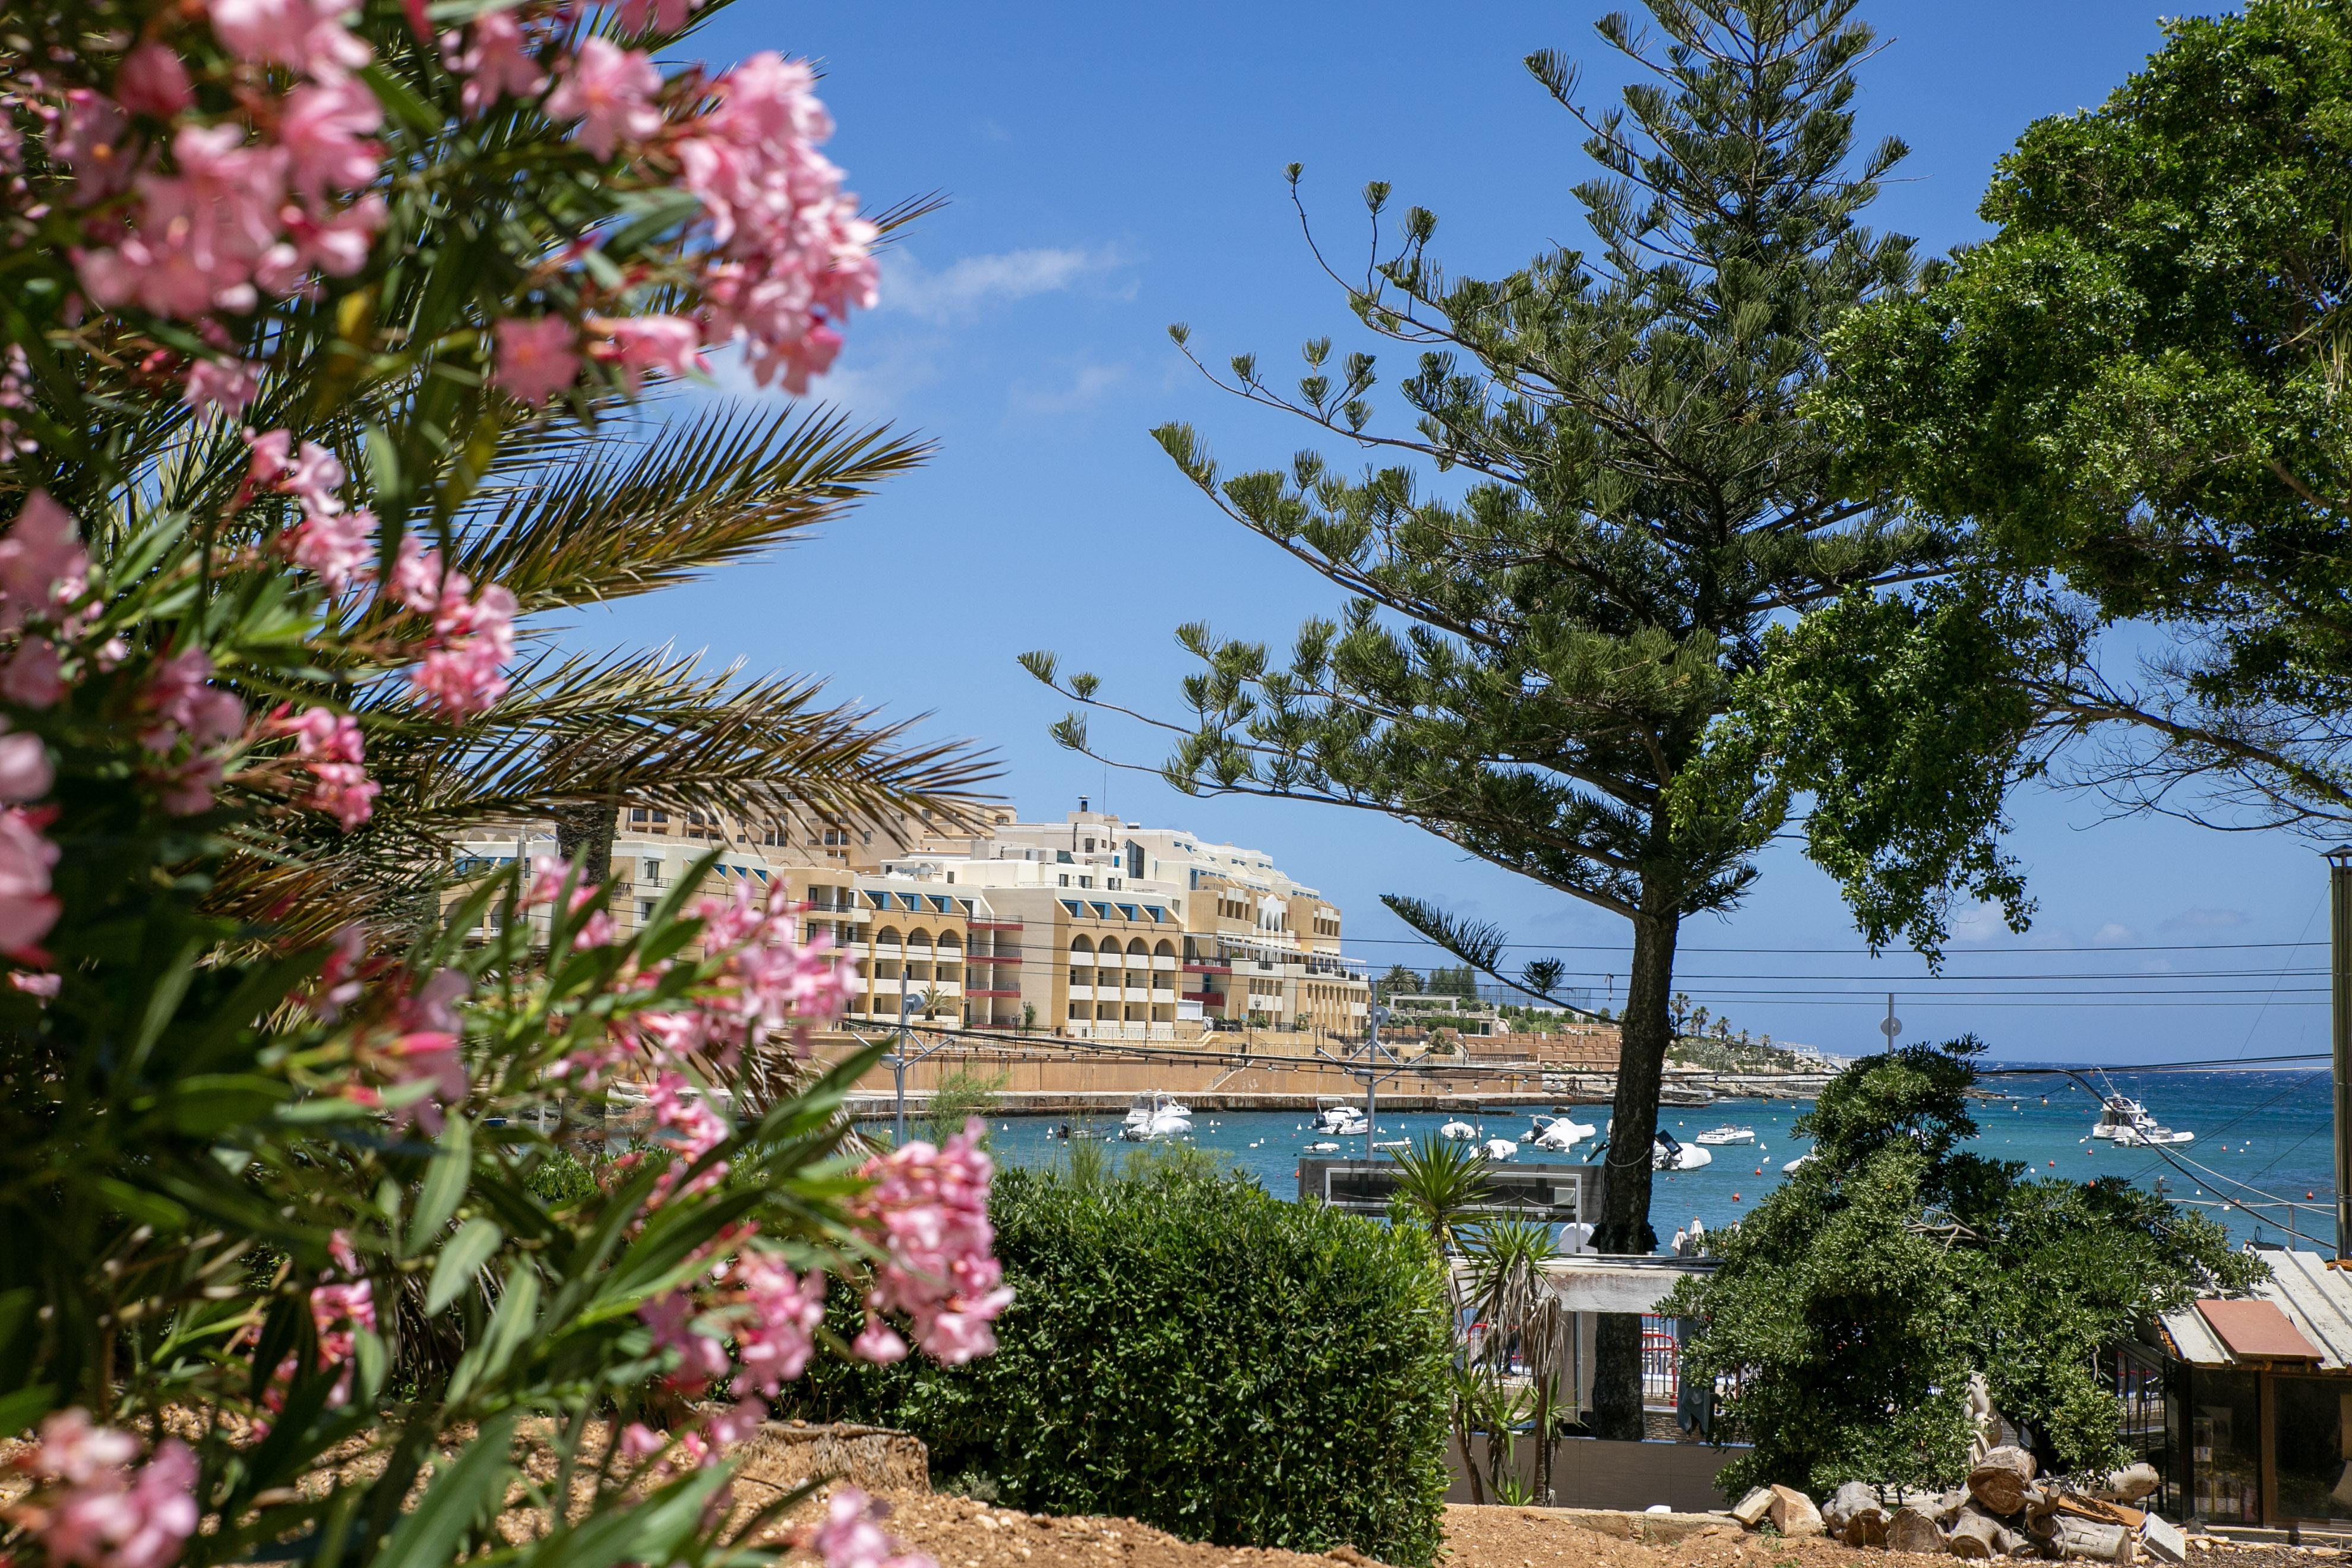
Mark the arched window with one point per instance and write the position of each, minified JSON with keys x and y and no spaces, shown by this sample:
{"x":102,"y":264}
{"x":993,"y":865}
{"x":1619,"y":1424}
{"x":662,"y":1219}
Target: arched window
{"x":887,"y":936}
{"x":1111,"y":949}
{"x":918,"y":937}
{"x":1165,"y":949}
{"x":949,"y":941}
{"x":1080,"y":944}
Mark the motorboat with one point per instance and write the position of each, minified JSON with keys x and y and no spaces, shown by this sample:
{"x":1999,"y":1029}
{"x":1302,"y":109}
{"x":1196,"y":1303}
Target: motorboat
{"x":1154,"y":1117}
{"x":2125,"y":1122}
{"x":1326,"y":1147}
{"x":1458,"y":1133}
{"x":1716,"y":1138}
{"x":1499,"y":1148}
{"x":1805,"y":1159}
{"x":1667,"y":1153}
{"x":1556,"y":1135}
{"x":1339,"y":1119}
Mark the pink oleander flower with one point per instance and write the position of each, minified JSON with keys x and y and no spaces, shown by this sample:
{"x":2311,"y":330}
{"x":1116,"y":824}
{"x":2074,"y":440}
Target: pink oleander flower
{"x":793,"y":256}
{"x":184,"y":702}
{"x":596,"y":931}
{"x":702,"y":1360}
{"x":640,"y":1442}
{"x":206,"y":239}
{"x":331,"y":1308}
{"x":324,"y":130}
{"x":32,"y":676}
{"x":686,"y":1125}
{"x":43,"y":567}
{"x":185,"y":788}
{"x":416,"y":576}
{"x":337,"y":244}
{"x":433,"y":1005}
{"x":345,"y":791}
{"x":25,"y":771}
{"x":497,"y":62}
{"x":536,"y":357}
{"x":96,"y":1508}
{"x":738,"y":1423}
{"x":609,"y":91}
{"x":640,"y":343}
{"x":669,"y":15}
{"x":338,"y":546}
{"x":427,"y":1057}
{"x":44,"y":986}
{"x":850,"y":1536}
{"x":462,"y":673}
{"x":878,"y":1343}
{"x":930,"y":1209}
{"x":323,"y":735}
{"x":94,"y":143}
{"x":308,"y":35}
{"x":338,"y":985}
{"x":784,"y":1312}
{"x":153,"y":82}
{"x":312,"y":478}
{"x":268,"y":455}
{"x":227,"y":384}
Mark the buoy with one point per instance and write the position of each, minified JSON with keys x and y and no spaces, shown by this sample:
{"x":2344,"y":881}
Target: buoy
{"x":1734,"y":1197}
{"x":2054,"y":1164}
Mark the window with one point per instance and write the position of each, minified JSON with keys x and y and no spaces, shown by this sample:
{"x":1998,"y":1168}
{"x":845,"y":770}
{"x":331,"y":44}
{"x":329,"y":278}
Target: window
{"x":1063,"y":879}
{"x":645,"y":912}
{"x":653,"y":872}
{"x":1085,"y":881}
{"x":637,"y":813}
{"x":1091,"y":846}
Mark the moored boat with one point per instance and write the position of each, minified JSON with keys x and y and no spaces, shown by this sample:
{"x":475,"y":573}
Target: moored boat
{"x":1716,"y":1138}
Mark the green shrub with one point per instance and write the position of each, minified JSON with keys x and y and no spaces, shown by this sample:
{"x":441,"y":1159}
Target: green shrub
{"x":1189,"y":1350}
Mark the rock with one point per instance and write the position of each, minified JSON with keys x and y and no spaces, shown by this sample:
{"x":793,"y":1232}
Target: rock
{"x":1793,"y":1513}
{"x":1999,"y":1480}
{"x":1752,"y":1508}
{"x":2129,"y":1484}
{"x":1912,"y":1530}
{"x":2163,"y":1543}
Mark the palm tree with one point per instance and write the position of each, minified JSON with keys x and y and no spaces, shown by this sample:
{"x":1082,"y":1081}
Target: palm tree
{"x":1439,"y":1184}
{"x":1524,"y":1318}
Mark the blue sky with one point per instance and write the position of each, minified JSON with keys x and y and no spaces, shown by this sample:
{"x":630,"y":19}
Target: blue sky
{"x":1112,"y":169}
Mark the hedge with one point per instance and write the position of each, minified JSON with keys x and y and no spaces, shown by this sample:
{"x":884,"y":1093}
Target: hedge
{"x":1186,"y":1350}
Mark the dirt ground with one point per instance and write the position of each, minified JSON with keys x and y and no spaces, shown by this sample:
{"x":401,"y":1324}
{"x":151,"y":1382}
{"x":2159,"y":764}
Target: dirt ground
{"x":962,"y":1533}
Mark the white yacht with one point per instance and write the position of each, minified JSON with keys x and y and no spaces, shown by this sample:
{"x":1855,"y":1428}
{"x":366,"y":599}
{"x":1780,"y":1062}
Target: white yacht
{"x":1805,"y":1159}
{"x":2125,"y":1122}
{"x":1156,"y":1116}
{"x":1716,"y":1138}
{"x":1458,"y":1133}
{"x":1499,"y":1148}
{"x":1556,"y":1135}
{"x":1667,"y":1154}
{"x":1339,"y":1119}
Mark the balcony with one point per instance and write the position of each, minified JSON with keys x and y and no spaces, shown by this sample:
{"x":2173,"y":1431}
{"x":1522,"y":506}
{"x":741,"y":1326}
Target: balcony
{"x":1203,"y":967}
{"x":1082,"y":992}
{"x":1206,"y":998}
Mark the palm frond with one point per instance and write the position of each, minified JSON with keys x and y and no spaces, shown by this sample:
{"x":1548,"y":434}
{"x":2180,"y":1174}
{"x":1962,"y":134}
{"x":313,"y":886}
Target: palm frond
{"x":656,"y":728}
{"x":605,"y":520}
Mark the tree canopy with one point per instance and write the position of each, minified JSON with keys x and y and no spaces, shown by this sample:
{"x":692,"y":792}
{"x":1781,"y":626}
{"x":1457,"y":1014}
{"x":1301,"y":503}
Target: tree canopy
{"x":1852,"y":1305}
{"x":2128,"y":405}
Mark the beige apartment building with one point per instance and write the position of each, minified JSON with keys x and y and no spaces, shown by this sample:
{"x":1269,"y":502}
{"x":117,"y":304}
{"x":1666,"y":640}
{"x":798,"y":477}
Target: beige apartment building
{"x":1093,"y":928}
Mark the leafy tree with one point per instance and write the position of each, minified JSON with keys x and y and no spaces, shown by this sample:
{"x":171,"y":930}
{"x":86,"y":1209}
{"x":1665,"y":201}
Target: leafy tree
{"x":1853,"y":1304}
{"x":1534,"y":644}
{"x":1455,"y":980}
{"x":2130,"y":403}
{"x":1397,"y":982}
{"x":963,"y":1094}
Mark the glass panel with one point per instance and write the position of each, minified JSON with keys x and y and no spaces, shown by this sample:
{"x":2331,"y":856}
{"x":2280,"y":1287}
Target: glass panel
{"x":2225,"y":1446}
{"x":2315,"y":1430}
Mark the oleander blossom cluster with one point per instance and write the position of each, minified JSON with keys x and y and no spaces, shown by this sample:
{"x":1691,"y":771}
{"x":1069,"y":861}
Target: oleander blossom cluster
{"x":851,"y":1535}
{"x":930,"y":1209}
{"x":93,"y":1505}
{"x":44,"y":601}
{"x":223,"y":213}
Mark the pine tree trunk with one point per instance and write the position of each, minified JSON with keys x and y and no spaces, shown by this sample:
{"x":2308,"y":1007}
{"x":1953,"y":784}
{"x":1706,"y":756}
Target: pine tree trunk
{"x":1625,"y":1224}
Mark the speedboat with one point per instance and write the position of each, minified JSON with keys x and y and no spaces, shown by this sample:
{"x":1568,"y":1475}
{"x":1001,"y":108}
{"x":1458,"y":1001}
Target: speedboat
{"x":1499,"y":1148}
{"x":1458,"y":1133}
{"x":2125,"y":1122}
{"x":1326,"y":1147}
{"x":1667,"y":1154}
{"x":1717,"y":1137}
{"x":1556,"y":1135}
{"x":1156,"y":1116}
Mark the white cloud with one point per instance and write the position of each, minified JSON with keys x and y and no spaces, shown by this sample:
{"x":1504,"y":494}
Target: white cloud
{"x":1981,"y":922}
{"x":871,"y":379}
{"x":2113,"y":933}
{"x":2204,"y":919}
{"x":960,"y":291}
{"x":1085,"y":389}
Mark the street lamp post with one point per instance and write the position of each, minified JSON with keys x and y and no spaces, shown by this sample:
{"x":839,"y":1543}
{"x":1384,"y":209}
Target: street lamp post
{"x":2340,"y":930}
{"x":898,"y":1065}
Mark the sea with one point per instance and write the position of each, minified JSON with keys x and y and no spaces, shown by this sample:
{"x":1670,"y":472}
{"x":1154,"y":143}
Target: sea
{"x":2262,"y":1163}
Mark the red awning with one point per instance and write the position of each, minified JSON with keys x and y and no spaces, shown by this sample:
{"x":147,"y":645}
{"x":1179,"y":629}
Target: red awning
{"x":2256,"y":1331}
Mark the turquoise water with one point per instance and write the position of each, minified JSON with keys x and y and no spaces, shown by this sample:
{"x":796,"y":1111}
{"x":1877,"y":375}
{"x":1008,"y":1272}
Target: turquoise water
{"x":2265,"y":1133}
